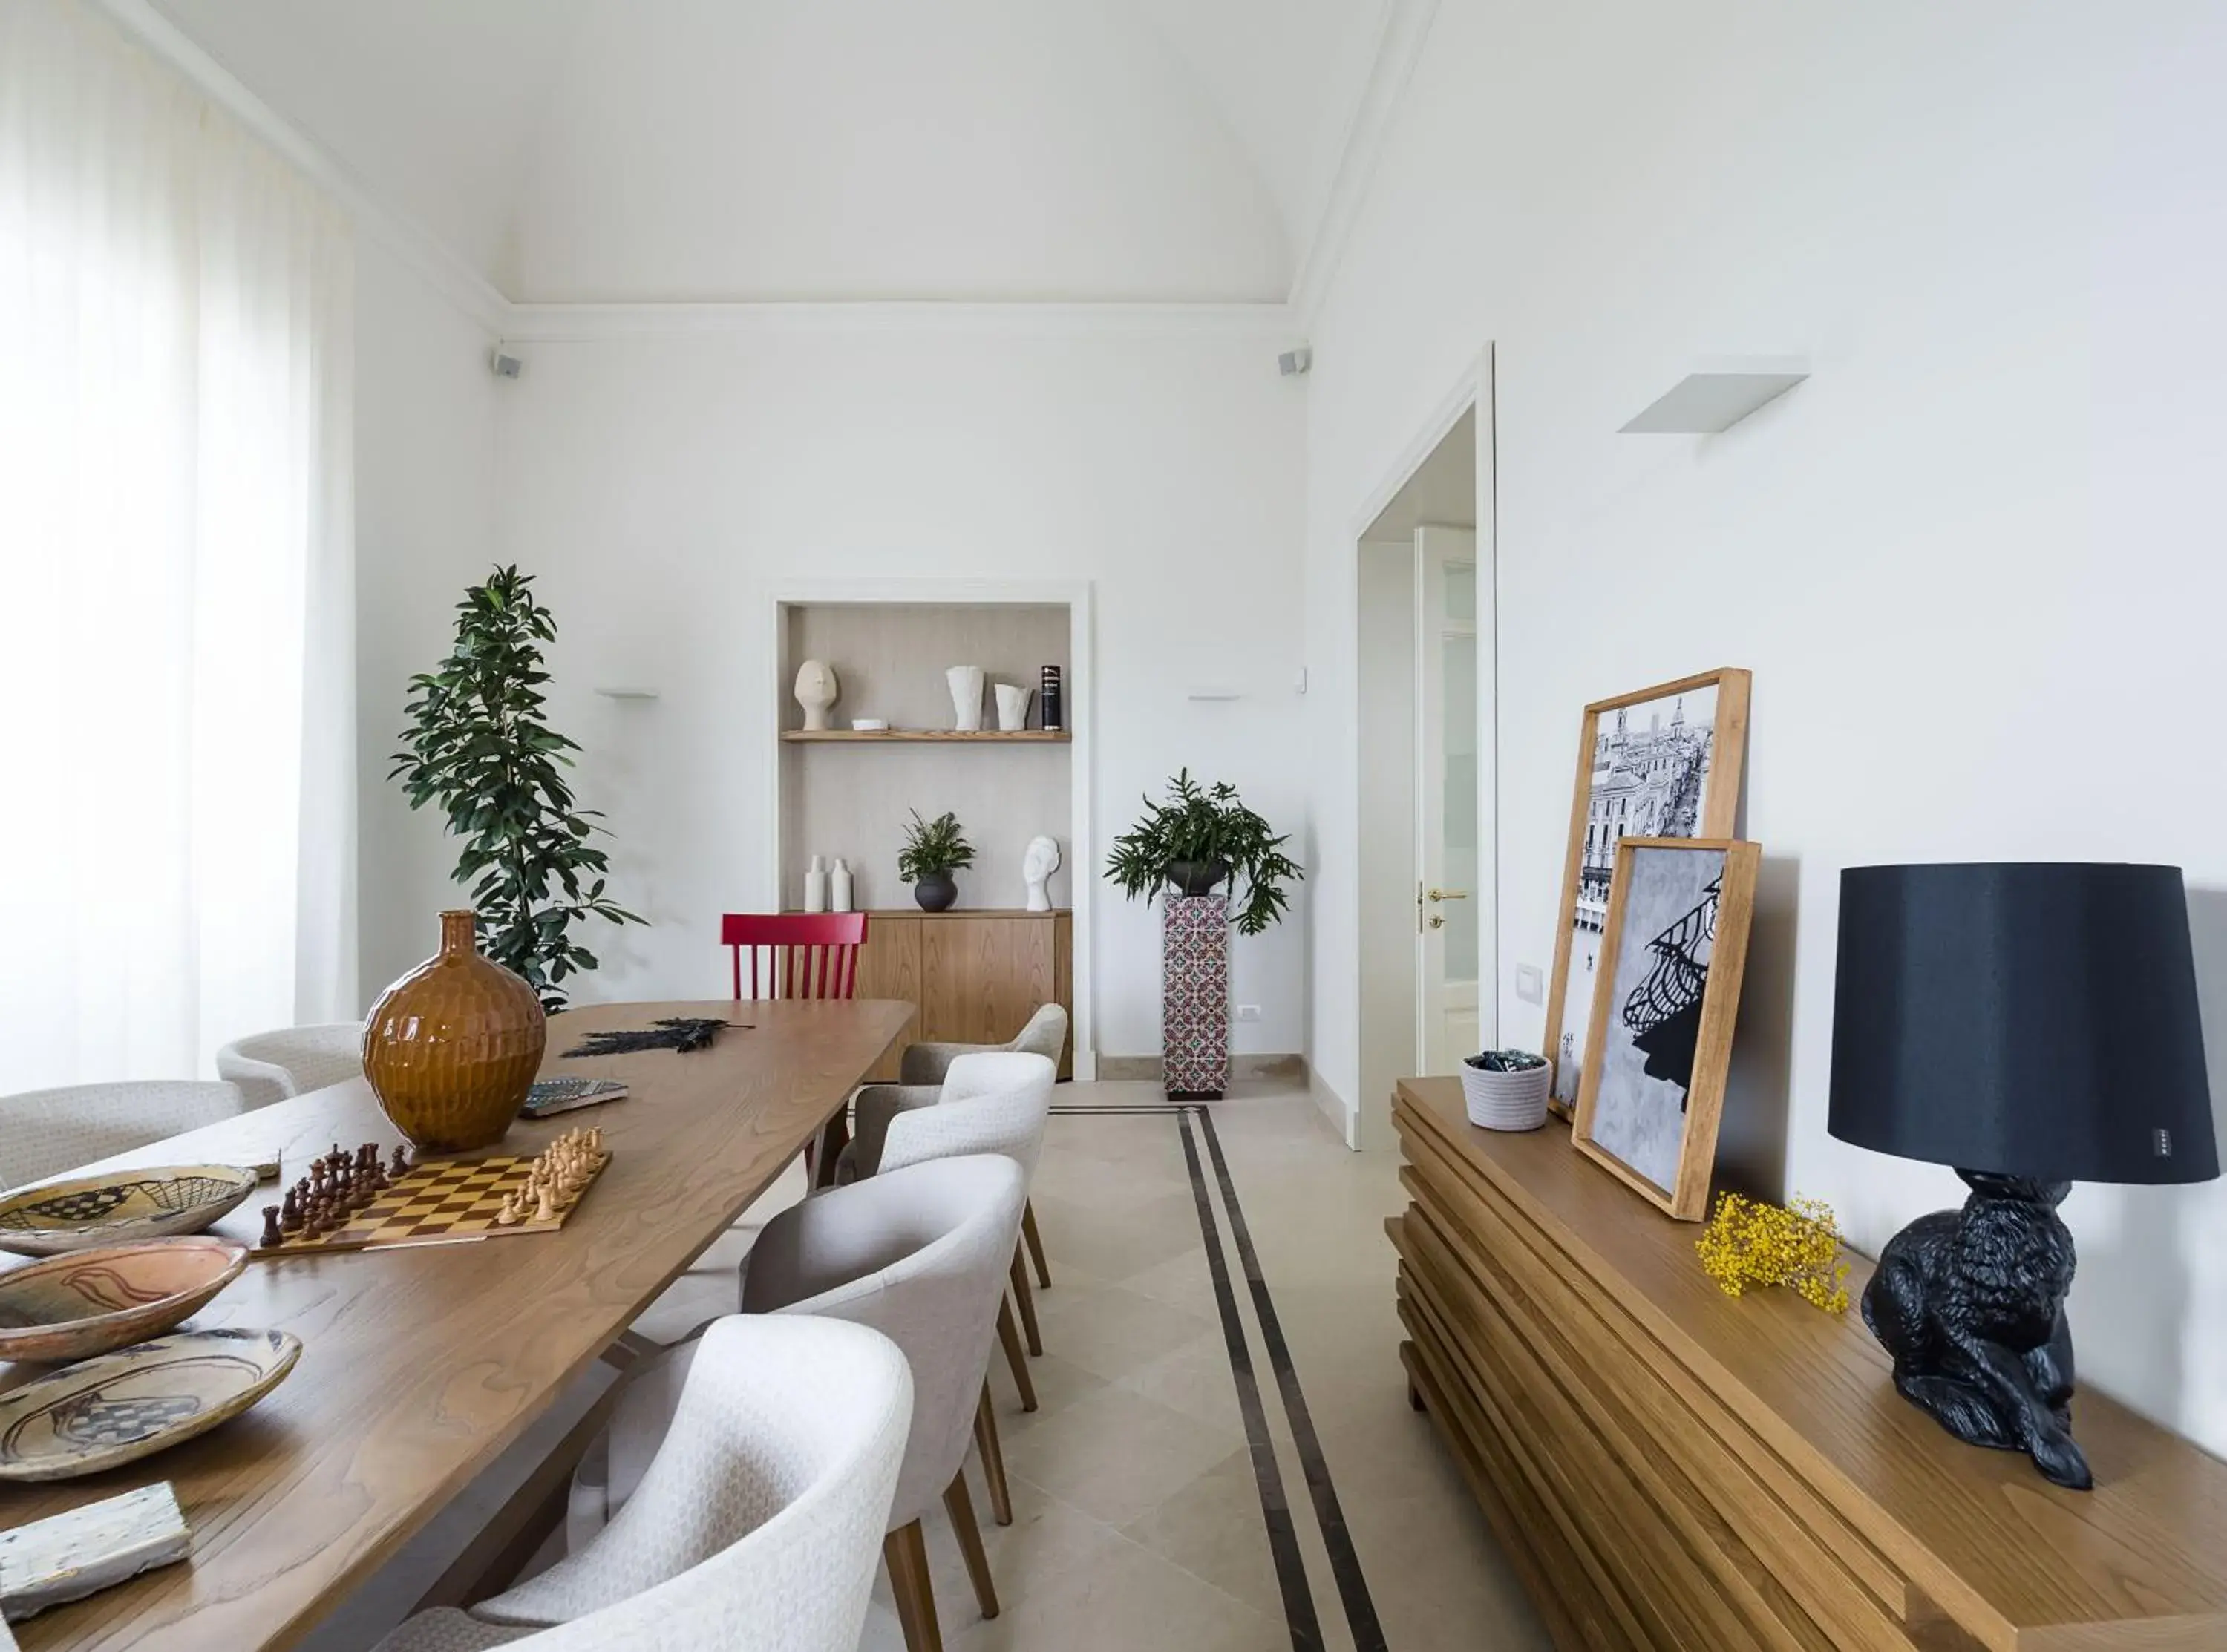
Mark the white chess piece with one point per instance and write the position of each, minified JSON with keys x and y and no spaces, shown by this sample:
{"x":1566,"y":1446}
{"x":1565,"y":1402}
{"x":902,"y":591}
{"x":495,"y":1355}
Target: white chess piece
{"x":817,"y":689}
{"x":1037,"y":865}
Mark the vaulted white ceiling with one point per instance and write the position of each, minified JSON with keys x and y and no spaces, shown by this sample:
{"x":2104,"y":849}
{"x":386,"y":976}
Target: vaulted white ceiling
{"x":628,"y":151}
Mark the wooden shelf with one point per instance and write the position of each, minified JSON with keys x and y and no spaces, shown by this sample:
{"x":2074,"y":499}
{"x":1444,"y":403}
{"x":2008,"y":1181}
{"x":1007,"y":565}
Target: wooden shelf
{"x":915,"y":737}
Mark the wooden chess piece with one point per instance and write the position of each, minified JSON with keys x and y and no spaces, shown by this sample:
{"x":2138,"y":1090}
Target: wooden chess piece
{"x":317,"y":1174}
{"x":289,"y":1215}
{"x":545,"y":1206}
{"x":401,"y":1162}
{"x":273,"y":1238}
{"x":508,"y":1216}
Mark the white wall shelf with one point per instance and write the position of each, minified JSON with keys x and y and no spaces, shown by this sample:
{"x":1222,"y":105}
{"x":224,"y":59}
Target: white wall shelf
{"x":1716,"y":396}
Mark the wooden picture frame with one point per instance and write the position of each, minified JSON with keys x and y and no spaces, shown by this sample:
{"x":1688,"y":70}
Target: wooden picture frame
{"x":1672,"y":959}
{"x":1597,"y":823}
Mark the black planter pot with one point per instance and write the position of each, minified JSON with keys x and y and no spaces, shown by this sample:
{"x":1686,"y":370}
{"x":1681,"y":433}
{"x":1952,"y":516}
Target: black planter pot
{"x":936,"y":891}
{"x":1196,"y":876}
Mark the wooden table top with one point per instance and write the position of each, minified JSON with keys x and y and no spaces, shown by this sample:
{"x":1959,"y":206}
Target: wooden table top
{"x":1981,"y":1531}
{"x":420,"y":1366}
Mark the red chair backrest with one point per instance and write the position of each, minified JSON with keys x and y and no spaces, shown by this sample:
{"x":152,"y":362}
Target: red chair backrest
{"x":806,"y":955}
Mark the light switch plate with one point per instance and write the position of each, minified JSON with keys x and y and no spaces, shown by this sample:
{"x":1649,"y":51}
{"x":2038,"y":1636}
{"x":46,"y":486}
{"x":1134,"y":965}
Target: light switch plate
{"x":1248,"y":1012}
{"x":1530,"y":984}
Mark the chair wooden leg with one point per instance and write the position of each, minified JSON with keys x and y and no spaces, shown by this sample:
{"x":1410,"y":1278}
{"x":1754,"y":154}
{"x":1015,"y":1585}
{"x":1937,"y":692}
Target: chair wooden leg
{"x":994,"y":1460}
{"x":961,"y":1507}
{"x":1014,"y":1357}
{"x":905,"y":1550}
{"x":1027,"y":1298}
{"x":1036,"y":1245}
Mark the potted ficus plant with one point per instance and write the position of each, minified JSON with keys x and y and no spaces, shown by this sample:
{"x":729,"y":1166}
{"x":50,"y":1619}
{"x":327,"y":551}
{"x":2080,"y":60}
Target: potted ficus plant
{"x":479,"y":750}
{"x":1200,"y":836}
{"x":933,"y":850}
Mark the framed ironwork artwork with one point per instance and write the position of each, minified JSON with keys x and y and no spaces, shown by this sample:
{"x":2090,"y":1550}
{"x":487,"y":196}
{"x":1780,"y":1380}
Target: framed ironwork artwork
{"x":1672,"y":954}
{"x":1662,"y":762}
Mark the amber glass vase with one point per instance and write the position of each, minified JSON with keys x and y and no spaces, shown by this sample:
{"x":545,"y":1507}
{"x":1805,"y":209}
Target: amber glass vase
{"x":452,"y":1048}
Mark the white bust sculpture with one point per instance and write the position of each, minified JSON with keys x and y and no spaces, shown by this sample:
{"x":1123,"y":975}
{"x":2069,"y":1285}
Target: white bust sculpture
{"x":816,"y":688}
{"x":1037,"y":865}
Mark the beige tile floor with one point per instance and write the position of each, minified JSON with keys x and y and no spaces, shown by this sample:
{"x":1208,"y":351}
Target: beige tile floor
{"x":1138,"y":1513}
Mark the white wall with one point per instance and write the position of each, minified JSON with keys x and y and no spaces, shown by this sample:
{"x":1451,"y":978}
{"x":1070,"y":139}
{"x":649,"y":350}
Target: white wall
{"x":1974,"y":563}
{"x":658,"y":484}
{"x":425,"y":502}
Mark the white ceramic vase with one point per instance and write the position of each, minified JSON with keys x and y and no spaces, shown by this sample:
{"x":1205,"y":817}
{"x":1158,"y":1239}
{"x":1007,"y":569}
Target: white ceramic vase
{"x":815,"y":884}
{"x":966,"y":697}
{"x":838,"y":887}
{"x":1013,"y":707}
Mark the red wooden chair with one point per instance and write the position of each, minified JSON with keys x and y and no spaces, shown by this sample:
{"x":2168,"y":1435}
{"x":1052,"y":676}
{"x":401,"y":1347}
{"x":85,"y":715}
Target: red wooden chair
{"x":800,"y":955}
{"x":795,"y":954}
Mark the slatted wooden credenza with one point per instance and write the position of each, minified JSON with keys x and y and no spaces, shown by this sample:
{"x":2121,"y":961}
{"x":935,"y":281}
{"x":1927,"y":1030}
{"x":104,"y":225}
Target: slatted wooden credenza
{"x":1667,"y":1468}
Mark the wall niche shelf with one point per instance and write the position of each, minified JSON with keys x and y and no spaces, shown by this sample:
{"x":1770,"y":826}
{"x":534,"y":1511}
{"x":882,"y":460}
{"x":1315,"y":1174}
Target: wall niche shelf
{"x":918,"y":737}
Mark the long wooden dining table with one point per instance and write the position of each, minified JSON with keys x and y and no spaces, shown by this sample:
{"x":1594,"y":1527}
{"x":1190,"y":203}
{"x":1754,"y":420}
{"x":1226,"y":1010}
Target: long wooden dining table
{"x":421,"y":1365}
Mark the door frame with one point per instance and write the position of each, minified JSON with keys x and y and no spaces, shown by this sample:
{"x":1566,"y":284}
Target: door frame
{"x":1476,"y":386}
{"x":1428,"y":1007}
{"x":761,"y":726}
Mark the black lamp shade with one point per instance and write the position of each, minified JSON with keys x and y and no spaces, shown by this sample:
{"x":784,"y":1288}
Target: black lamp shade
{"x":2034,"y":1019}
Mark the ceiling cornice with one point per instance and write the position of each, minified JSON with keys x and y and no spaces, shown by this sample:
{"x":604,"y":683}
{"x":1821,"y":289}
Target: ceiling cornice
{"x":1399,"y":48}
{"x":567,"y":323}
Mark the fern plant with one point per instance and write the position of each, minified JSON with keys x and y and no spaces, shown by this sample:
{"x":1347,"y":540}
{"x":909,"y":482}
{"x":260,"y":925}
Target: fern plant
{"x":1207,"y":826}
{"x":932,"y":847}
{"x":478,"y":746}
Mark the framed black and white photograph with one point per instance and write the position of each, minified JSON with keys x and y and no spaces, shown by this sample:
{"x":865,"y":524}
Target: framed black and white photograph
{"x":1662,"y":762}
{"x":1673,"y":949}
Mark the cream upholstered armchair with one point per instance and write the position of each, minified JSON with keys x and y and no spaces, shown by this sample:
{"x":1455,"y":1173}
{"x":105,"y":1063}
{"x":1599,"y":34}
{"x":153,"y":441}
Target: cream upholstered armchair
{"x":45,"y":1132}
{"x":920,"y":1254}
{"x":922,"y":1072}
{"x":753,"y":1526}
{"x":292,"y":1061}
{"x":1045,"y":1035}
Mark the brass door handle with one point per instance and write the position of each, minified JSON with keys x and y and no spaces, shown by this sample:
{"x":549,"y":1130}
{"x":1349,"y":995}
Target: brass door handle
{"x":1437,"y":922}
{"x":1450,"y":894}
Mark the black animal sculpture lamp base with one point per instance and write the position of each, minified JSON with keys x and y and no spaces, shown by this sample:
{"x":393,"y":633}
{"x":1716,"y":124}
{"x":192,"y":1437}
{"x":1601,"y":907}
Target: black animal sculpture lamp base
{"x":1971,"y":1305}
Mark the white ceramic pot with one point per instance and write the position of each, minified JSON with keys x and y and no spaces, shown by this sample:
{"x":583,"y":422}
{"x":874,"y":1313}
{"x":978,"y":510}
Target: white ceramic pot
{"x":1013,"y":707}
{"x":966,"y":697}
{"x":1506,"y":1100}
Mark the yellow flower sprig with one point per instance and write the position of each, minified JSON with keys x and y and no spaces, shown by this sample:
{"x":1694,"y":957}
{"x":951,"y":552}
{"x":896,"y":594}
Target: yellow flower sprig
{"x":1749,"y":1244}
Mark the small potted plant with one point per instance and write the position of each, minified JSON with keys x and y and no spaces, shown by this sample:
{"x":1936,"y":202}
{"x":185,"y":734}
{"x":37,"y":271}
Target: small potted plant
{"x":933,"y":850}
{"x":1201,"y":835}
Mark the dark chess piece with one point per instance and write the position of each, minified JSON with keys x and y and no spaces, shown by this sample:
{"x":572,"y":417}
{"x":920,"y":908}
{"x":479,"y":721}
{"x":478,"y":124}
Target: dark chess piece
{"x":289,"y":1215}
{"x":318,"y":1172}
{"x":273,"y":1238}
{"x":1971,"y":1305}
{"x":401,"y":1162}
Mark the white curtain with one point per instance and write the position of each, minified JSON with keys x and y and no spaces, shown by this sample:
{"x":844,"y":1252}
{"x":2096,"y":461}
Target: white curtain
{"x":177,"y":853}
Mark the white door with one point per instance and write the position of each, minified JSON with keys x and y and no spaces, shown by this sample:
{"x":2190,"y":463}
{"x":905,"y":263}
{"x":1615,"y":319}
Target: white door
{"x":1447,"y":893}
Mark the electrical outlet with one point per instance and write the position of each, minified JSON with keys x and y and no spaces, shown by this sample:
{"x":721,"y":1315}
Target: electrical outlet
{"x":1530,"y":984}
{"x":1248,"y":1012}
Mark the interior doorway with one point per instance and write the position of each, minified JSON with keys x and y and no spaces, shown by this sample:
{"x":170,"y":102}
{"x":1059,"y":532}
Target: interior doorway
{"x":1427,"y":961}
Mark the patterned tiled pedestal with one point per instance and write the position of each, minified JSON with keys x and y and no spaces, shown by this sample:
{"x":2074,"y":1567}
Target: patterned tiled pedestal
{"x":1194,"y":995}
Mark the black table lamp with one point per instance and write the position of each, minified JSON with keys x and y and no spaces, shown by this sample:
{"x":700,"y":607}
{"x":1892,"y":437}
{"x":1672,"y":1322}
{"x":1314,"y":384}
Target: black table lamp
{"x":2031,"y":1026}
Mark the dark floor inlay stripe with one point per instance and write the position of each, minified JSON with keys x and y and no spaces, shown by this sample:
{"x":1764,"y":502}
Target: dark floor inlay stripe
{"x":1344,"y":1562}
{"x":1275,"y":1509}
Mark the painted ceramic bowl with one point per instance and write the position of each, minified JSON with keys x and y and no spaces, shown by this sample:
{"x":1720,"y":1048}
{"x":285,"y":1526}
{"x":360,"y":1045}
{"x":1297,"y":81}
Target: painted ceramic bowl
{"x":119,"y":1206}
{"x":72,"y":1306}
{"x":116,"y":1409}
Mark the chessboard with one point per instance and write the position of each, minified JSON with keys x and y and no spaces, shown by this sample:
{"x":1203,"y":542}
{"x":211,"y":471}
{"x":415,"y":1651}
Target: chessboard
{"x":356,"y":1203}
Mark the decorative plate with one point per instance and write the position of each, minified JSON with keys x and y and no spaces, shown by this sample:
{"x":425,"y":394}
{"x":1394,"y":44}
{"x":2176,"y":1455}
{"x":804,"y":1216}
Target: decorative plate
{"x":126,"y":1406}
{"x":119,"y":1206}
{"x":74,"y":1306}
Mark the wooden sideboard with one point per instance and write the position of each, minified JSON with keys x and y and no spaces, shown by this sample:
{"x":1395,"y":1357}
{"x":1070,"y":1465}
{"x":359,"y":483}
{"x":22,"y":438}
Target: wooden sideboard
{"x":1668,"y":1468}
{"x":976,"y":976}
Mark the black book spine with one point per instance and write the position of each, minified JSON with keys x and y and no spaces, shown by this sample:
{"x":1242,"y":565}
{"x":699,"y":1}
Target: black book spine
{"x":1054,"y":712}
